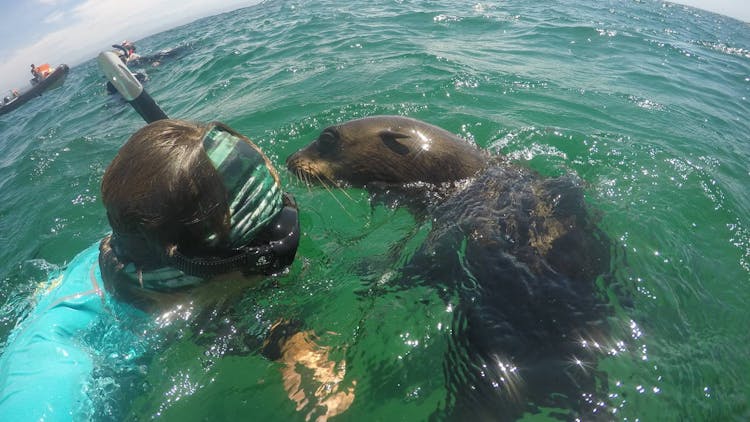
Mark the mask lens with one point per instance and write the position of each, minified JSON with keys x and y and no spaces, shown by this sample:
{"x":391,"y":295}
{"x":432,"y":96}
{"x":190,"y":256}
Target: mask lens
{"x":252,"y":184}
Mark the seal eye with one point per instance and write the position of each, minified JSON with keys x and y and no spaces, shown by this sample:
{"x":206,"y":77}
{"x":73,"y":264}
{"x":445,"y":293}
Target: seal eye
{"x":327,"y":141}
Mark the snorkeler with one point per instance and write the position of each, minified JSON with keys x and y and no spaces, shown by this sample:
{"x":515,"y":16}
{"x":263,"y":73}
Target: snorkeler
{"x":189,"y":206}
{"x":194,"y":202}
{"x":126,"y":51}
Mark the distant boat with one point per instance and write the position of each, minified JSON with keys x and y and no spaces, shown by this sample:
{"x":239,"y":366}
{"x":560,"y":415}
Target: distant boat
{"x":17,"y":98}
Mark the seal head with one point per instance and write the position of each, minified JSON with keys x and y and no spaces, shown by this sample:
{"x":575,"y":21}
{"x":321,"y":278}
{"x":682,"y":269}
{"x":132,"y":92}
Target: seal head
{"x":386,"y":149}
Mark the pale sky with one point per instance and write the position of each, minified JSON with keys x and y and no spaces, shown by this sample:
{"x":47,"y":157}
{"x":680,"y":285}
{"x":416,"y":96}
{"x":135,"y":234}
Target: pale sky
{"x":73,"y":31}
{"x":738,"y":9}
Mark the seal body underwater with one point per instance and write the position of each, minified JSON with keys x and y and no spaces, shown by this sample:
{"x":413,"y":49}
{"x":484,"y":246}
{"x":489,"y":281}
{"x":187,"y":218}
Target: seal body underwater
{"x":518,"y":254}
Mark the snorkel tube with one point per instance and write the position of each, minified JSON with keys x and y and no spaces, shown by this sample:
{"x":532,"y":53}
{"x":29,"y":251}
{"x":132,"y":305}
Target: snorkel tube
{"x":129,"y":87}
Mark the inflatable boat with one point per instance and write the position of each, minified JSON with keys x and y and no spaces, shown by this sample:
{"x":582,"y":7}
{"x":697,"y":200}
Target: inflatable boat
{"x":17,"y":98}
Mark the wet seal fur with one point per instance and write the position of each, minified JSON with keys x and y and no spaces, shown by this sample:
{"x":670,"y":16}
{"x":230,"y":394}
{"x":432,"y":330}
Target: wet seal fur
{"x":518,"y":254}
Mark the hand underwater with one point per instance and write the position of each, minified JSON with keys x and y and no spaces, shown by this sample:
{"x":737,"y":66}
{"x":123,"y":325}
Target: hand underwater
{"x":308,"y":367}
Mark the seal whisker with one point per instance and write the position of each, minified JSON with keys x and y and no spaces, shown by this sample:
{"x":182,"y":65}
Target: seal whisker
{"x":328,"y":188}
{"x":309,"y":181}
{"x":305,"y":179}
{"x":346,"y":194}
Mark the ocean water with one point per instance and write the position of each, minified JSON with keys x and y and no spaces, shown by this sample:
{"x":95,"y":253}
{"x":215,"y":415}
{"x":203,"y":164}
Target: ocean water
{"x":646,"y":101}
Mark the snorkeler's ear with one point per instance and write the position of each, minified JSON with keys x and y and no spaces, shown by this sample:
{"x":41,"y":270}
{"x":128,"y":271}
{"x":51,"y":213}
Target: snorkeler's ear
{"x":391,"y":140}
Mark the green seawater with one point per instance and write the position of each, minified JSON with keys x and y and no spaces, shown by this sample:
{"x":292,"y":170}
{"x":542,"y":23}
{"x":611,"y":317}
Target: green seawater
{"x":646,"y":101}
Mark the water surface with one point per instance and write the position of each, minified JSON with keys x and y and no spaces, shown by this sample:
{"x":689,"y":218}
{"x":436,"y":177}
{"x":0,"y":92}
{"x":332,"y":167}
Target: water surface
{"x":646,"y":101}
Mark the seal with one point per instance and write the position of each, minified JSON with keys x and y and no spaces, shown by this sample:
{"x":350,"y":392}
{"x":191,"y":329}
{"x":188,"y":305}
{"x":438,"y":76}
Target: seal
{"x":519,"y":255}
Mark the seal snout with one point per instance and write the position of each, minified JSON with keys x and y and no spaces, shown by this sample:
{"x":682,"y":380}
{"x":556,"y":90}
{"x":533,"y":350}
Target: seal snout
{"x":307,"y":168}
{"x":295,"y":164}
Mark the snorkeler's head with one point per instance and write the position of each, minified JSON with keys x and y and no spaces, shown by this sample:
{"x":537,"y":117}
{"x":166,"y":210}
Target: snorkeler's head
{"x":198,"y":200}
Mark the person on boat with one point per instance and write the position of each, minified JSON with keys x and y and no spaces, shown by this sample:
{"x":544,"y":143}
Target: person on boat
{"x":36,"y":76}
{"x":129,"y":46}
{"x":39,"y":73}
{"x":43,"y":70}
{"x":126,"y":51}
{"x":13,"y":95}
{"x":191,"y":207}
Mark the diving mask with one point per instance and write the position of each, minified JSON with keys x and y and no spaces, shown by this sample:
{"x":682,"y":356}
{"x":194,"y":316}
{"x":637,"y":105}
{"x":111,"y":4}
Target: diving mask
{"x":257,"y":206}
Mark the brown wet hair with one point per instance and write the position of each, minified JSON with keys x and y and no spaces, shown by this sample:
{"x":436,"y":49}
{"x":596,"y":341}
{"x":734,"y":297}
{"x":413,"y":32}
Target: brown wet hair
{"x":161,"y":192}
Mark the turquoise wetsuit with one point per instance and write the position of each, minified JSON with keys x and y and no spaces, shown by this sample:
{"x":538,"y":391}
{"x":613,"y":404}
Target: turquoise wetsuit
{"x":45,"y":369}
